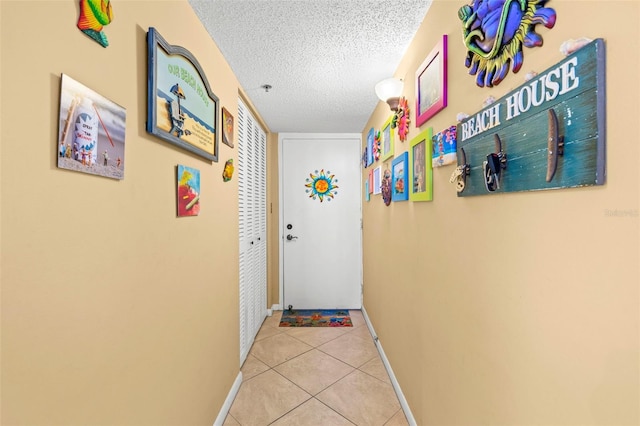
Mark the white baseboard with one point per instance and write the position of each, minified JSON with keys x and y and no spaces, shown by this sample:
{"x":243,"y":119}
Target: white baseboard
{"x":394,"y":382}
{"x":222,"y":415}
{"x":276,"y":307}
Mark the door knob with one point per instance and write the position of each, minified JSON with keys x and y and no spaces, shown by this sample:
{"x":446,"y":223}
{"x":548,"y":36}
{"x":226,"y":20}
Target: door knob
{"x":291,"y":237}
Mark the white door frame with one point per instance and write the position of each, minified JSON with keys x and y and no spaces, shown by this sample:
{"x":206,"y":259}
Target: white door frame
{"x":281,"y":137}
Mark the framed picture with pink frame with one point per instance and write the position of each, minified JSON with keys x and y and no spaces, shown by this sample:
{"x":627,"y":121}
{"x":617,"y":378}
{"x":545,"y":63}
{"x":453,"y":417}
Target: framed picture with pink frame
{"x":431,"y":83}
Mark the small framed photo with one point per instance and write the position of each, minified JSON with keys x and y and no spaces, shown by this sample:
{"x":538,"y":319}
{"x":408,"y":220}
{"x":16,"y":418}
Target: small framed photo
{"x":444,"y":147}
{"x":399,"y":178}
{"x":227,"y":128}
{"x":188,"y":194}
{"x":377,"y":180}
{"x":421,"y":172}
{"x":387,"y":140}
{"x":370,"y":140}
{"x":431,"y":83}
{"x":181,"y":108}
{"x":370,"y":180}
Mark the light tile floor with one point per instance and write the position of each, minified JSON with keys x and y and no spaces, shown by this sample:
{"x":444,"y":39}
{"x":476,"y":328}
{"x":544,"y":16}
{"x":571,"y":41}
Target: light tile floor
{"x":315,"y":376}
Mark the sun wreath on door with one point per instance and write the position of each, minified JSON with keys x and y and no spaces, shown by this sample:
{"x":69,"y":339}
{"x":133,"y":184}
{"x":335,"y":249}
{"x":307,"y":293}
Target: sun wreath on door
{"x":320,"y":185}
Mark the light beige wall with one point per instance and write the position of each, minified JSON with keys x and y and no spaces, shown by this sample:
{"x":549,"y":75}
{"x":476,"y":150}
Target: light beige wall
{"x":114,"y":311}
{"x":516,"y":308}
{"x":273,"y":215}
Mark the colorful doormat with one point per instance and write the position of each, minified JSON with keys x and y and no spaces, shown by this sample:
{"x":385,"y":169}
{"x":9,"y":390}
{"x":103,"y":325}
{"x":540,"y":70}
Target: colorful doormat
{"x":315,"y":318}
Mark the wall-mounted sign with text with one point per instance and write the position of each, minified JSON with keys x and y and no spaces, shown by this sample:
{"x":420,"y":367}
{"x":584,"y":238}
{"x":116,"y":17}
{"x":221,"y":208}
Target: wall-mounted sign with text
{"x":548,"y":133}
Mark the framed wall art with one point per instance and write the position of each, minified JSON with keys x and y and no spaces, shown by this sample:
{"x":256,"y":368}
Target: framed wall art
{"x":91,"y":131}
{"x":181,"y":108}
{"x":227,"y":128}
{"x":188,"y":196}
{"x":370,"y":145}
{"x":400,"y":177}
{"x":377,"y":180}
{"x":387,"y":140}
{"x":431,"y":83}
{"x":420,"y":170}
{"x":444,"y":147}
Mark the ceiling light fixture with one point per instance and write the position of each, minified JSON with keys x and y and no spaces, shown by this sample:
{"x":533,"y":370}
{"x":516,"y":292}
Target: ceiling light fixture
{"x":389,"y":91}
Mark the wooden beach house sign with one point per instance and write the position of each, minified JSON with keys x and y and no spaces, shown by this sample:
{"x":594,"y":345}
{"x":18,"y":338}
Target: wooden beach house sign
{"x":548,"y":133}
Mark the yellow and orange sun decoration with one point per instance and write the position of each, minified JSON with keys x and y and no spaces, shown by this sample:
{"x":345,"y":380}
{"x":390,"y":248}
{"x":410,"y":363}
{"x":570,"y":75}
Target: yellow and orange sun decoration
{"x":321,"y":185}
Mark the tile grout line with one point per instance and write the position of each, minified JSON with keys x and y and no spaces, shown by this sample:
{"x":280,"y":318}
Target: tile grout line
{"x":394,"y":414}
{"x":350,"y":330}
{"x":314,"y":396}
{"x":317,"y":347}
{"x":332,"y":409}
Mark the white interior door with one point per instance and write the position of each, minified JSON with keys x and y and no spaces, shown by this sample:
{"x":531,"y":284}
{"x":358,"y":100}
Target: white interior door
{"x":320,"y":226}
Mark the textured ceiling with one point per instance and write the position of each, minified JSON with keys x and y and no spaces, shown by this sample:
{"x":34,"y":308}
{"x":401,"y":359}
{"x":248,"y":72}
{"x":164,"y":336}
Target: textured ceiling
{"x":321,"y":57}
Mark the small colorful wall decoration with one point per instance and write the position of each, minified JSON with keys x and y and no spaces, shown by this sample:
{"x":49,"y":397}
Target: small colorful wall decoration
{"x":548,"y":133}
{"x":94,"y":16}
{"x":495,"y":31}
{"x":227,"y":128}
{"x":91,"y":131}
{"x":420,"y":170}
{"x":377,"y":145}
{"x":385,"y":187}
{"x":444,"y":147}
{"x":402,"y":119}
{"x":188,"y":191}
{"x":227,"y":172}
{"x":321,"y":185}
{"x":365,"y":155}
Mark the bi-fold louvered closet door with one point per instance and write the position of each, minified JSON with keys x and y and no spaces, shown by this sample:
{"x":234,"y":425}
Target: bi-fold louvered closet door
{"x":252,"y":192}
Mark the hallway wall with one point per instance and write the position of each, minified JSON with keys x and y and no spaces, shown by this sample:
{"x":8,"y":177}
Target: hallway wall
{"x":114,"y":311}
{"x":517,"y":308}
{"x":273,"y":231}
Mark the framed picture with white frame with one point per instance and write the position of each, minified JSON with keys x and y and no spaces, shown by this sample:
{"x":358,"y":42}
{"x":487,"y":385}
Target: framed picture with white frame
{"x":377,"y":180}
